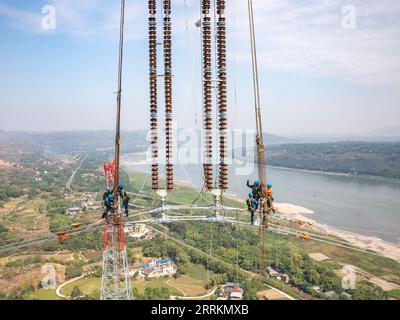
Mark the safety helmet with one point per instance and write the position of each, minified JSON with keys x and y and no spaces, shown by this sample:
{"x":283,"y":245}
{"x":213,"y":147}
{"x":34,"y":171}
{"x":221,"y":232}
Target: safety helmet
{"x":250,"y":194}
{"x":111,"y":197}
{"x":121,"y":186}
{"x":257,"y":183}
{"x":269,"y":185}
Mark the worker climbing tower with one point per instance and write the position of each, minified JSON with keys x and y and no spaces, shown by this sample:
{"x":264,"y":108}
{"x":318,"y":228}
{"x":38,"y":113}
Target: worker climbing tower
{"x":115,"y":282}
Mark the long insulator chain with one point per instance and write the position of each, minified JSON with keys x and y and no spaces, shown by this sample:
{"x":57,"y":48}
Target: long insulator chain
{"x":222,"y":94}
{"x":168,"y":94}
{"x":207,"y":93}
{"x":153,"y":92}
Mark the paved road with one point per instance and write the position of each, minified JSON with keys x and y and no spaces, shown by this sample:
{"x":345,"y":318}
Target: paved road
{"x":58,"y":290}
{"x":58,"y":293}
{"x":69,"y":182}
{"x":194,"y":298}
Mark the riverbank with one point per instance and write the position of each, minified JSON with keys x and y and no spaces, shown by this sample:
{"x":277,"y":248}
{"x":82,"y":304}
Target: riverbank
{"x":292,"y":211}
{"x":360,"y":204}
{"x":312,"y":171}
{"x":373,"y":244}
{"x":339,"y":174}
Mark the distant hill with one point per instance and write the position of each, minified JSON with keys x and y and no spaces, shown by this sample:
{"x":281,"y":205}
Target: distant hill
{"x":367,"y":158}
{"x":73,"y":141}
{"x":343,"y":138}
{"x":271,"y":139}
{"x":356,"y":157}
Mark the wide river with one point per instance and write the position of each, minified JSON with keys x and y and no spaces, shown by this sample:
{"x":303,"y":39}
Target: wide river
{"x":359,"y":204}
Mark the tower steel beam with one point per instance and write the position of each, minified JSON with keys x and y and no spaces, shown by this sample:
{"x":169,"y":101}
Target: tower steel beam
{"x":115,"y":283}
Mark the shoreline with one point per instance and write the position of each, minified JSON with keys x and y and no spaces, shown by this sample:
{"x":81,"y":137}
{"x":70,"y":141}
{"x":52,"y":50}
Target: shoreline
{"x":329,"y":173}
{"x":370,"y":243}
{"x":385,"y":248}
{"x":340,"y":174}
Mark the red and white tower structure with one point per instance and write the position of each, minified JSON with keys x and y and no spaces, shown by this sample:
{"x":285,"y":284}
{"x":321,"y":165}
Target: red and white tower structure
{"x":115,"y":282}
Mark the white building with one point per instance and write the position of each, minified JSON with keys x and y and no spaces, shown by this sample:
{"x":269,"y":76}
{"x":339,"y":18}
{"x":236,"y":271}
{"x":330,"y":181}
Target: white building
{"x":137,"y":231}
{"x":158,"y":268}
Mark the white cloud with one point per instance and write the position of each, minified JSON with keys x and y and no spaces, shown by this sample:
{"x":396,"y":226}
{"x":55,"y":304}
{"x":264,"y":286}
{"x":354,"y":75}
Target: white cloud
{"x":293,"y":36}
{"x":308,"y":38}
{"x":21,"y":19}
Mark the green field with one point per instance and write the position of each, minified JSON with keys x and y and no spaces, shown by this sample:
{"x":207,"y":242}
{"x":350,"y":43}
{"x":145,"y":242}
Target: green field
{"x":194,"y":279}
{"x":161,"y":282}
{"x":198,"y":272}
{"x":379,"y":266}
{"x":86,"y":286}
{"x":43,"y":294}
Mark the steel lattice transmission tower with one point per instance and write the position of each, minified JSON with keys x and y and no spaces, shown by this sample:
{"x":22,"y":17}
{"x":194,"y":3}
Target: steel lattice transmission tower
{"x":115,"y":283}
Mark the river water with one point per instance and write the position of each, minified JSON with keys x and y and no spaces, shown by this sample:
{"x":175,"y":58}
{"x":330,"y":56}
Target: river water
{"x":359,"y":204}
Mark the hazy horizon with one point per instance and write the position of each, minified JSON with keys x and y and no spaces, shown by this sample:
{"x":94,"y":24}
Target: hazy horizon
{"x":395,"y":133}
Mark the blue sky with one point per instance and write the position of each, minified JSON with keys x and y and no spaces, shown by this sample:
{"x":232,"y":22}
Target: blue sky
{"x":316,"y":76}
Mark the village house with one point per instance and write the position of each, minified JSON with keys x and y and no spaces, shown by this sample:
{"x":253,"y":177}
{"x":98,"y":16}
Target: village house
{"x":272,"y":272}
{"x":277,"y":275}
{"x":73,"y":210}
{"x":232,"y":291}
{"x":158,"y":268}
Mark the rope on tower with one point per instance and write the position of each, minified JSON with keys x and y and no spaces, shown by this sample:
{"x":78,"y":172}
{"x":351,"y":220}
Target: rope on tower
{"x":118,"y":115}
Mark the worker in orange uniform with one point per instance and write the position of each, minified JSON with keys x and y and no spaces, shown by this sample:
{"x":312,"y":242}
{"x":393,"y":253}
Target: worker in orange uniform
{"x":270,"y":198}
